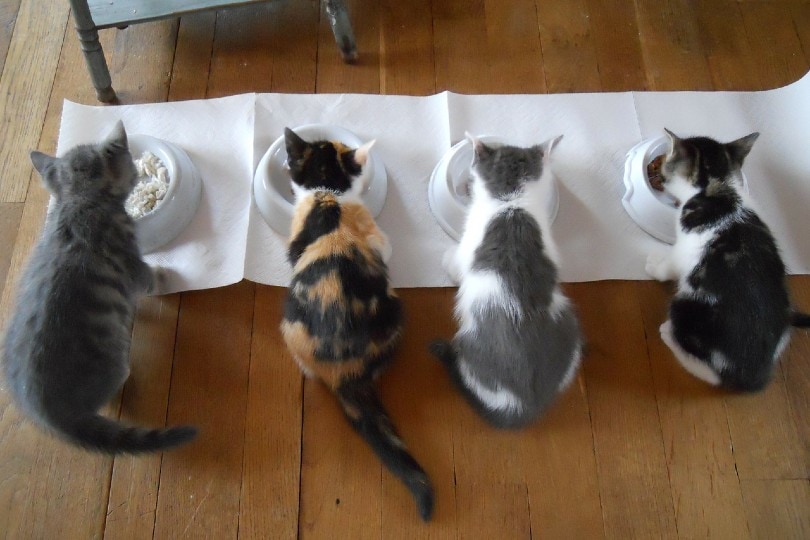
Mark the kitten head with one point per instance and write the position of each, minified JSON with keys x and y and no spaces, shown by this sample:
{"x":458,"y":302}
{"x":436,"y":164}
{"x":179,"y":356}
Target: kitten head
{"x":105,"y":169}
{"x":695,"y":164}
{"x":326,"y":166}
{"x":505,"y":170}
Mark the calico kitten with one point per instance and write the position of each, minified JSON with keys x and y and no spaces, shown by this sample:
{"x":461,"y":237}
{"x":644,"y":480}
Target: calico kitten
{"x":519,"y":343}
{"x":342,"y":320}
{"x":730,"y":319}
{"x":66,"y":349}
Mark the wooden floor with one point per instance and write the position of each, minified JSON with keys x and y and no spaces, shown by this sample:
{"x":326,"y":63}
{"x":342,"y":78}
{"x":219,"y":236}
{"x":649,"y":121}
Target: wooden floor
{"x":635,"y":449}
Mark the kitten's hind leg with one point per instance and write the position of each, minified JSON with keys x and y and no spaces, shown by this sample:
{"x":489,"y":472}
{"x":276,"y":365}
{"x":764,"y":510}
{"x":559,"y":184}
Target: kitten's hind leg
{"x":690,"y":363}
{"x":159,"y":280}
{"x":659,"y":266}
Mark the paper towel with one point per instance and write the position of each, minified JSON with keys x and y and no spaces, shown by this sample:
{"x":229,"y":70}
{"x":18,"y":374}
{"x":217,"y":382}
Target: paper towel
{"x":227,"y":137}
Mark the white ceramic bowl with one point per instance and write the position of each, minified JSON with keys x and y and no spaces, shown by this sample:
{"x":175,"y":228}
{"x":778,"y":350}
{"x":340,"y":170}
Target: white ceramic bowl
{"x":174,"y":213}
{"x":652,"y":210}
{"x":272,"y":188}
{"x":448,"y":191}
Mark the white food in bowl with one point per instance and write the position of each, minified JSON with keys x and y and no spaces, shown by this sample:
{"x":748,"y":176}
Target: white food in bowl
{"x":153,"y":183}
{"x":168,"y":219}
{"x":272,"y":185}
{"x":449,"y":188}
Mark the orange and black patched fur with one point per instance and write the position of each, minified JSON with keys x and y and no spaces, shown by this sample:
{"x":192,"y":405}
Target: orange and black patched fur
{"x":342,"y":320}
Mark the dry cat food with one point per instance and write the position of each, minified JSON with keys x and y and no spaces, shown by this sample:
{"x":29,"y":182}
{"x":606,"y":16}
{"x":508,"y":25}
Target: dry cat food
{"x":153,"y":182}
{"x":654,"y":173}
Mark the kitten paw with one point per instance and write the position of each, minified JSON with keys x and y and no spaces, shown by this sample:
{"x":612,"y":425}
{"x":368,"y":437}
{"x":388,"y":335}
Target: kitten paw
{"x":657,"y":266}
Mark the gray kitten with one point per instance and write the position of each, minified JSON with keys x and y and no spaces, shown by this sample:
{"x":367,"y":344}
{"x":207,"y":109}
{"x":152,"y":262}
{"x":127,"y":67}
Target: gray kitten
{"x":66,"y":349}
{"x":519,"y":343}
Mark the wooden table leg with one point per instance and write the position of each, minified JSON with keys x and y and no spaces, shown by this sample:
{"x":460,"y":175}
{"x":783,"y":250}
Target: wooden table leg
{"x":93,"y":53}
{"x":342,"y":29}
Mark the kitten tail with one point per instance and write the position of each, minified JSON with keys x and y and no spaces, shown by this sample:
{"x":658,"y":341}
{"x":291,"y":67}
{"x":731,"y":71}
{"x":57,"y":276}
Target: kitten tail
{"x":96,"y":432}
{"x":367,"y":416}
{"x":799,"y":319}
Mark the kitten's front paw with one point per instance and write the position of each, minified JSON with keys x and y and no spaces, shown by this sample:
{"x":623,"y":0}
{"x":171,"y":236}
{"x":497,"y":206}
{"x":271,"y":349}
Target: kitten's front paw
{"x":657,"y":266}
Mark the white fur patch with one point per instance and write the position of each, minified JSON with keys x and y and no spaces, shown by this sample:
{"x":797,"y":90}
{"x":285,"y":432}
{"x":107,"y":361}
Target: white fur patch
{"x":570,"y":373}
{"x":782,"y":345}
{"x":496,"y":400}
{"x":481,"y":290}
{"x":693,"y":365}
{"x":559,"y":303}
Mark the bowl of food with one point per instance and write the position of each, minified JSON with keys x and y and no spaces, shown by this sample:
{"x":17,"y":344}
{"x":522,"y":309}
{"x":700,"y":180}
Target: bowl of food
{"x":167,"y":194}
{"x":449,"y":188}
{"x":272,"y":185}
{"x":645,"y":200}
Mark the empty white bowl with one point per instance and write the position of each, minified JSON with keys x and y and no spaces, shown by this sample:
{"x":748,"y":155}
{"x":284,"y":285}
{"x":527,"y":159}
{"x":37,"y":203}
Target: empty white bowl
{"x":448,"y":191}
{"x":272,"y":185}
{"x":175,"y":211}
{"x":652,"y":210}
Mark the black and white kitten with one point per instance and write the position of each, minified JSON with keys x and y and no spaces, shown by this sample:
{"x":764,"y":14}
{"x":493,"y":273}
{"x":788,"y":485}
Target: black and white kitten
{"x":66,"y":351}
{"x":519,"y":343}
{"x":730,"y":319}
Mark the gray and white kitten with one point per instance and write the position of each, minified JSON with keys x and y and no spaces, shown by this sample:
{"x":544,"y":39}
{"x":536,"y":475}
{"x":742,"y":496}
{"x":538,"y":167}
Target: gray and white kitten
{"x":519,"y":342}
{"x":730,"y":319}
{"x":66,"y":349}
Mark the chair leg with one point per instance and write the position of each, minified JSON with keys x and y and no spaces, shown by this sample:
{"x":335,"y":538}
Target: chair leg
{"x":342,"y":29}
{"x":93,"y":53}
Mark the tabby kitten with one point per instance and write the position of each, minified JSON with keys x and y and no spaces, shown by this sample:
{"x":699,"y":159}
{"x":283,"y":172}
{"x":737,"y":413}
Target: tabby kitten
{"x":519,"y":343}
{"x":66,"y":349}
{"x":730,"y":318}
{"x":342,"y":320}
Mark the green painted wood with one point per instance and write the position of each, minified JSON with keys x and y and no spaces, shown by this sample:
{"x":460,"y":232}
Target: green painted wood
{"x":108,"y":13}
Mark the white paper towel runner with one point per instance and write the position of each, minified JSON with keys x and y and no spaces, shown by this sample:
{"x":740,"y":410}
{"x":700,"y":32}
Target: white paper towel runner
{"x":226,"y":138}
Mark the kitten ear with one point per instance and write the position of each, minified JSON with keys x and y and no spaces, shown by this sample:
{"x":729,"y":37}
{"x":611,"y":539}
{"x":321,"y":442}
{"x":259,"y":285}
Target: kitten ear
{"x":44,"y":163}
{"x":41,"y":161}
{"x":361,"y":154}
{"x":739,"y":149}
{"x":117,"y":137}
{"x":547,"y":147}
{"x":295,"y":144}
{"x":479,"y":148}
{"x":674,"y":141}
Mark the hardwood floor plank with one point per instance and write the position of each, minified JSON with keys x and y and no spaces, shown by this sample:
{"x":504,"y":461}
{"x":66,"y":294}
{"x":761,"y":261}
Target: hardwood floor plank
{"x":272,"y":45}
{"x":10,"y":216}
{"x":24,"y":97}
{"x":334,"y":75}
{"x":8,"y":16}
{"x":406,"y":48}
{"x":341,"y":478}
{"x":569,"y":57}
{"x":796,"y":366}
{"x":697,"y":442}
{"x":192,"y":56}
{"x":614,"y":33}
{"x":514,"y":47}
{"x":200,"y":483}
{"x":801,"y":21}
{"x":778,"y":508}
{"x":635,"y":490}
{"x":423,"y":406}
{"x":672,"y":46}
{"x":459,"y":47}
{"x":272,"y":456}
{"x":775,"y":44}
{"x":727,"y":47}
